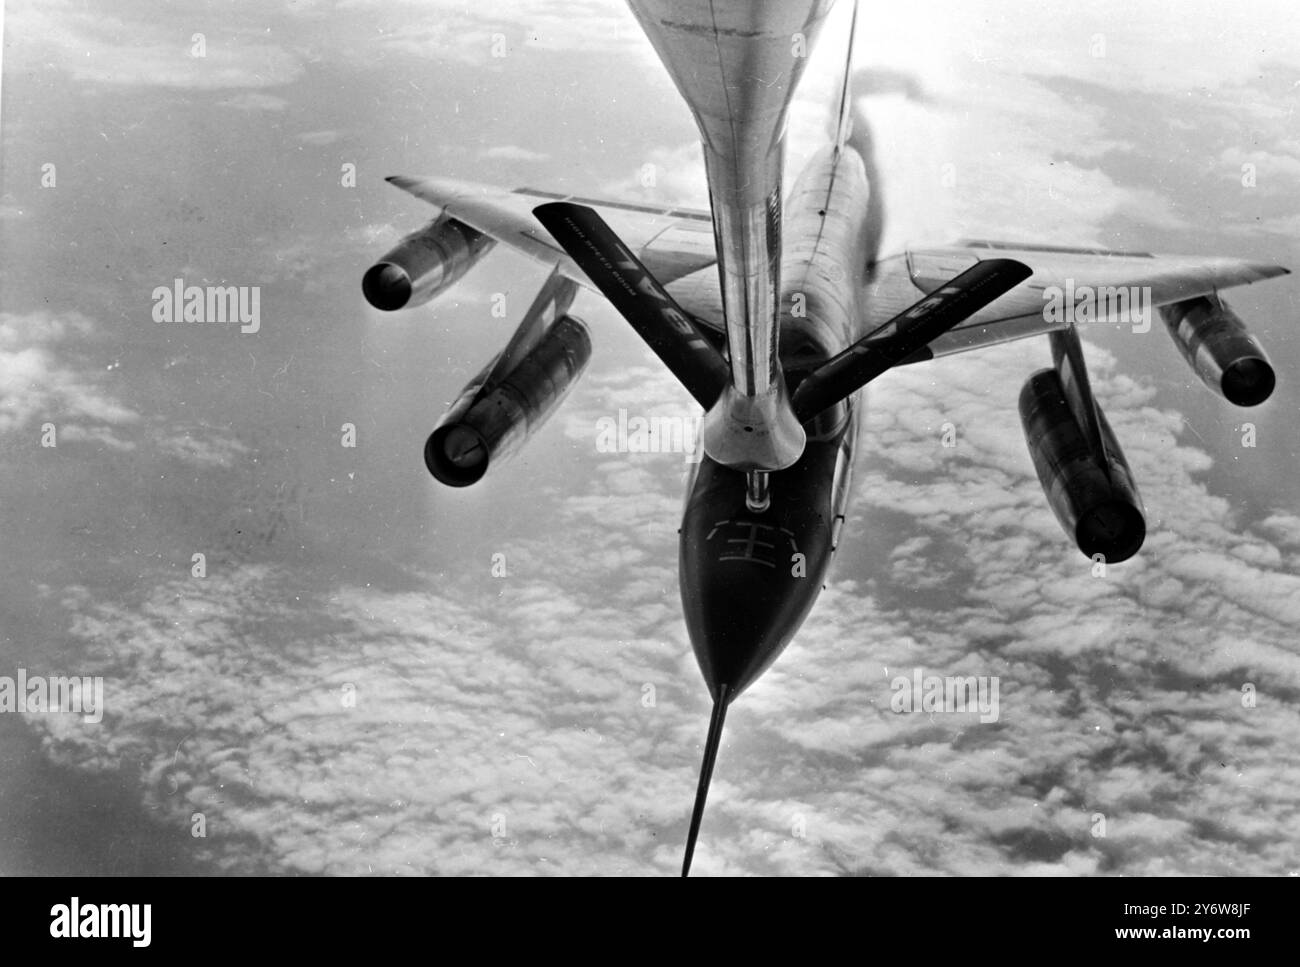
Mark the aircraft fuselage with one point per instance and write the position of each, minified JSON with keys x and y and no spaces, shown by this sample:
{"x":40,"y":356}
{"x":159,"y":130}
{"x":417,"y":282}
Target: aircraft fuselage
{"x":748,"y":580}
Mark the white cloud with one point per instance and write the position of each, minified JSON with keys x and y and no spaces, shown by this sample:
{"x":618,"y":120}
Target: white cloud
{"x":512,"y":152}
{"x":36,"y":387}
{"x":493,"y":30}
{"x":111,"y":49}
{"x":201,"y":446}
{"x":517,"y":702}
{"x":38,"y":384}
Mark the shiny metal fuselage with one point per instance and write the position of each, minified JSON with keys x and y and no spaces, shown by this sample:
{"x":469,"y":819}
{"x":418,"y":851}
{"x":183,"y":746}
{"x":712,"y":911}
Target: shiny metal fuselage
{"x":737,"y":65}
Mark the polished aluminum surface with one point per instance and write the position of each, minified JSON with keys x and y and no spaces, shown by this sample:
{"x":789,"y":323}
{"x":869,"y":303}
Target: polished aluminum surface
{"x":736,"y":65}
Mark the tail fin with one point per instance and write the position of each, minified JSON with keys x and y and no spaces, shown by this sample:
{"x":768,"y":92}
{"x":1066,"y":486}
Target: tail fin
{"x":706,"y":772}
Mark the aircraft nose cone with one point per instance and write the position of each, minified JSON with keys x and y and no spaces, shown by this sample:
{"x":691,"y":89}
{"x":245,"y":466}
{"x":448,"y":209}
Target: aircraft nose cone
{"x":739,"y":622}
{"x":748,"y":580}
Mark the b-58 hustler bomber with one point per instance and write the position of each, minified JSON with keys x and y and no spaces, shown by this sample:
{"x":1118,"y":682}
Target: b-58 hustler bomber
{"x":774,"y":312}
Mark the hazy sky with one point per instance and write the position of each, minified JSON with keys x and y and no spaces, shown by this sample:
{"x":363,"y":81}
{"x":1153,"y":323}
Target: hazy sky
{"x":500,"y":723}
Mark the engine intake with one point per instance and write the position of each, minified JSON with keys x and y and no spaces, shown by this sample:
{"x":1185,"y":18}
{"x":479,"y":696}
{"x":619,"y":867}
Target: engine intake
{"x":1215,"y":343}
{"x":490,"y":420}
{"x":1095,"y":500}
{"x":423,"y":264}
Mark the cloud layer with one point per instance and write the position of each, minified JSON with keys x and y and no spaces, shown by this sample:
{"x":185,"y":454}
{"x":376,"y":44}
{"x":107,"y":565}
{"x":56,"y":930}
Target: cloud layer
{"x":548,"y":720}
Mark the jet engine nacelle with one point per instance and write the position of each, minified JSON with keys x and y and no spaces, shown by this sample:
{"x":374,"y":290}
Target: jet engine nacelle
{"x":423,"y":264}
{"x":495,"y":414}
{"x":1215,"y":343}
{"x":1095,"y":499}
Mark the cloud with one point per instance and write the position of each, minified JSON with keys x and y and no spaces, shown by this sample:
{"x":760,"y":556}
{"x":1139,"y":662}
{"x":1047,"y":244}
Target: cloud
{"x":1287,"y":226}
{"x":512,"y":152}
{"x":668,"y":176}
{"x":1127,"y":48}
{"x":138,"y":51}
{"x":201,"y":447}
{"x":501,"y":725}
{"x":962,"y":148}
{"x":373,"y":235}
{"x":494,"y":30}
{"x":269,"y":749}
{"x":37,"y":387}
{"x":320,"y":138}
{"x":1285,"y":529}
{"x":1018,"y":136}
{"x":39,"y":383}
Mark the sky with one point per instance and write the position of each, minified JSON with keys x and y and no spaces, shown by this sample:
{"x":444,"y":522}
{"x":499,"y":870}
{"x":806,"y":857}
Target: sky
{"x":349,"y":689}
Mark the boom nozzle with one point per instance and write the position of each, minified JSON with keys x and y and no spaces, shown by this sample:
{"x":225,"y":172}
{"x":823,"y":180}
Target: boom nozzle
{"x":758,"y":496}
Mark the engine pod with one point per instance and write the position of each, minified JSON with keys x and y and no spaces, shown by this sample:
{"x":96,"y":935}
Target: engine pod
{"x":1215,"y":343}
{"x":489,"y":422}
{"x":1092,"y":495}
{"x":423,"y":264}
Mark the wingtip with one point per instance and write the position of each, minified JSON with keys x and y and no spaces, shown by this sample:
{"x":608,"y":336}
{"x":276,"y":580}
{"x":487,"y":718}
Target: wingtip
{"x":1265,"y":270}
{"x":413,"y":183}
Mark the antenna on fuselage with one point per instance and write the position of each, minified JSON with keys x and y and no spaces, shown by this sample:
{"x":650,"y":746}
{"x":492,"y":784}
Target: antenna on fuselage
{"x":844,"y":126}
{"x":706,"y":772}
